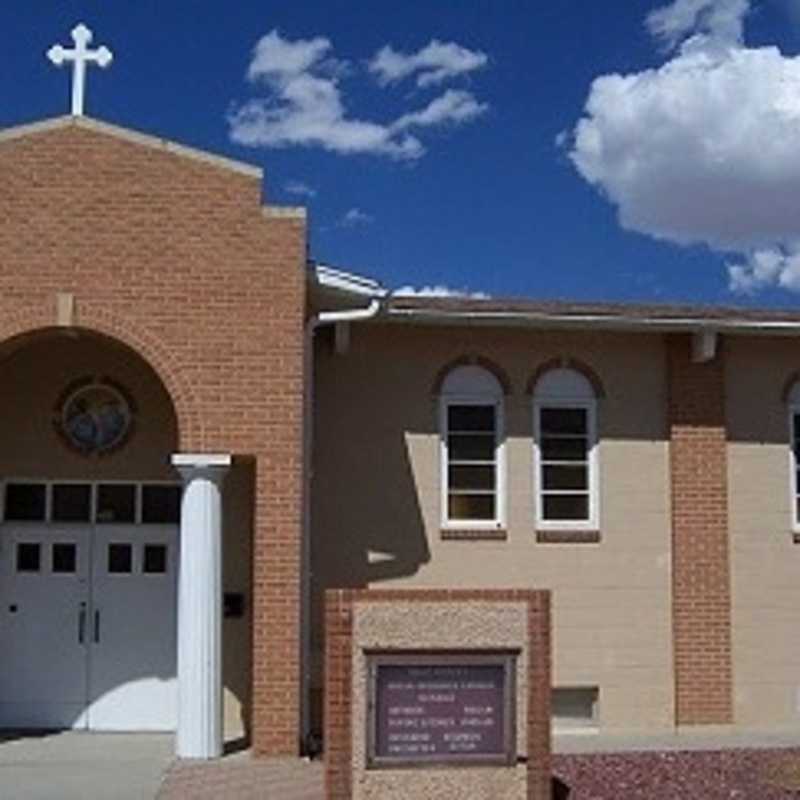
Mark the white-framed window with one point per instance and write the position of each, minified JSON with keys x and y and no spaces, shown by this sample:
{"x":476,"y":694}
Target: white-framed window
{"x":794,"y":453}
{"x":565,"y":450}
{"x":472,"y":449}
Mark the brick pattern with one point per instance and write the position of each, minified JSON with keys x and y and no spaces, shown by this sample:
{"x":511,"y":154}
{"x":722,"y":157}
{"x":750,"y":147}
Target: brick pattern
{"x":471,"y":360}
{"x":474,"y":534}
{"x":175,"y":258}
{"x":701,"y":569}
{"x":338,"y":736}
{"x":241,"y":777}
{"x":575,"y":536}
{"x":565,"y":362}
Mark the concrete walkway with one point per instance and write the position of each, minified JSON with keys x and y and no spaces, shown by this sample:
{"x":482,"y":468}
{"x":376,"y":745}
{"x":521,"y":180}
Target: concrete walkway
{"x":240,"y":777}
{"x":83,"y":766}
{"x":87,"y":766}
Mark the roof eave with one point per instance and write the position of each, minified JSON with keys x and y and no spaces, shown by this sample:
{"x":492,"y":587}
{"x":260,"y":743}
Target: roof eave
{"x":348,"y":283}
{"x":427,"y":316}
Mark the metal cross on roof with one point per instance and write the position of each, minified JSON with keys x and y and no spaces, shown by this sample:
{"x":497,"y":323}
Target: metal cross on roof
{"x":80,"y":56}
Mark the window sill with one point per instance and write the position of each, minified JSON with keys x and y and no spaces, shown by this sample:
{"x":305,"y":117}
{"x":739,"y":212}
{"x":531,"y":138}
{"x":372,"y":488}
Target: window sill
{"x":567,"y":536}
{"x":474,"y":534}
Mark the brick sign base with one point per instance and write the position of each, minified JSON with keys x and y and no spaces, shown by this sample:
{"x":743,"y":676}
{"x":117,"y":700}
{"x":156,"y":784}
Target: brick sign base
{"x":351,"y":620}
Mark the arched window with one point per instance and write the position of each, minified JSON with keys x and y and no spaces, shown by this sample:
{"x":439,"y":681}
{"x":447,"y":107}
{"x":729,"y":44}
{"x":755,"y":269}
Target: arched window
{"x":471,"y":425}
{"x":565,"y":450}
{"x":793,"y":401}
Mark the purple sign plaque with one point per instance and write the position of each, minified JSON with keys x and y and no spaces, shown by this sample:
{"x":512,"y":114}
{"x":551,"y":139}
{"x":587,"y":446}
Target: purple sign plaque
{"x":454,"y":707}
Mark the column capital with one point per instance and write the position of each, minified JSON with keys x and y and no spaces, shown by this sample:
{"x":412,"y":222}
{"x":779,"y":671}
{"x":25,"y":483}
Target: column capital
{"x":211,"y":464}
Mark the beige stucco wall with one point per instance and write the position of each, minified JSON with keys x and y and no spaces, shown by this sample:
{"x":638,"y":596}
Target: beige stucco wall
{"x":384,"y":626}
{"x":765,"y":561}
{"x":35,"y":372}
{"x":376,"y":506}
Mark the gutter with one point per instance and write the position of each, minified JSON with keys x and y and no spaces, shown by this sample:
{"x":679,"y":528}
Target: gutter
{"x":322,"y":319}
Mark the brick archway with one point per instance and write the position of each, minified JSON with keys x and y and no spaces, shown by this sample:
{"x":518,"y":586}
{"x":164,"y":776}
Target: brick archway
{"x":191,"y":434}
{"x":565,"y":362}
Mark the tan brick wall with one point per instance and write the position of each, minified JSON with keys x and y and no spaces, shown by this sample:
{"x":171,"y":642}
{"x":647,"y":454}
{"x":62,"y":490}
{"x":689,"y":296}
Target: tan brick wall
{"x":701,"y":564}
{"x":175,"y":257}
{"x":765,"y":560}
{"x":376,"y":516}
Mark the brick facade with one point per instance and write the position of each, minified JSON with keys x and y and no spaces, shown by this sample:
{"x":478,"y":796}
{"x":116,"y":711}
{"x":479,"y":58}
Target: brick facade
{"x":339,"y":609}
{"x":173,"y":255}
{"x":701,"y":597}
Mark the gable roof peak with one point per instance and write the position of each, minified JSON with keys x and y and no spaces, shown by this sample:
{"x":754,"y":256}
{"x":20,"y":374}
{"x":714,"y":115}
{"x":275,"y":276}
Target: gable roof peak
{"x":130,"y":135}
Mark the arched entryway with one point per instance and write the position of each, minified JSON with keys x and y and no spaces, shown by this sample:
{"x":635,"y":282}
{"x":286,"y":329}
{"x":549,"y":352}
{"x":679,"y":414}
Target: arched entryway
{"x":88,"y":537}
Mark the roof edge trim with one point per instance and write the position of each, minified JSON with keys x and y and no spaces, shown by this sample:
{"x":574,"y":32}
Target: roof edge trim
{"x":136,"y":137}
{"x":350,"y":282}
{"x":606,"y":322}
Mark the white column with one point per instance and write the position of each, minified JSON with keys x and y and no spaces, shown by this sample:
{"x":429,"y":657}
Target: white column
{"x":200,"y":606}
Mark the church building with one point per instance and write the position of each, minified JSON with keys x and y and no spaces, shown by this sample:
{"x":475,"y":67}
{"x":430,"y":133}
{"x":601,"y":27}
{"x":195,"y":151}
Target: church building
{"x":203,"y":431}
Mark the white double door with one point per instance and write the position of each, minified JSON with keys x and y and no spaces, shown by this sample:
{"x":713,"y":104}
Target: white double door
{"x":88,"y":626}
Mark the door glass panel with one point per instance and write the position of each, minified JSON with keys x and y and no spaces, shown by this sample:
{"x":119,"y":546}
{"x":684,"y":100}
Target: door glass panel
{"x":29,"y":557}
{"x":155,"y":559}
{"x":116,"y":502}
{"x":120,"y":559}
{"x":161,"y":504}
{"x":65,"y":558}
{"x":26,"y":502}
{"x":72,"y":502}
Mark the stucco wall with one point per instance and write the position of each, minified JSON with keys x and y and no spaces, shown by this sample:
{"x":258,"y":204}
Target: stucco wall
{"x":376,"y":507}
{"x":765,"y":561}
{"x":39,"y":369}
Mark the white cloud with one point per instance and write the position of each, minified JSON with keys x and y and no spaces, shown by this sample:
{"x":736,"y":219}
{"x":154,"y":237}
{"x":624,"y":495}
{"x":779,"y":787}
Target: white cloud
{"x":454,"y":106}
{"x":354,"y":217}
{"x":275,"y":56}
{"x":720,"y":21}
{"x":305,"y":106}
{"x":433,"y":64}
{"x":300,"y":189}
{"x":438,"y":291}
{"x":763,"y":268}
{"x":704,"y":149}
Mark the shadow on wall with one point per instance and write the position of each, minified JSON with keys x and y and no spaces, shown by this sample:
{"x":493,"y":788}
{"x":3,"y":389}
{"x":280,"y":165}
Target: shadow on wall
{"x":238,"y":500}
{"x":376,"y":483}
{"x":368,"y":526}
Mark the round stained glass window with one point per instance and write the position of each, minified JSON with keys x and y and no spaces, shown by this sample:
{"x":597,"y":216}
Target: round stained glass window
{"x":96,"y":417}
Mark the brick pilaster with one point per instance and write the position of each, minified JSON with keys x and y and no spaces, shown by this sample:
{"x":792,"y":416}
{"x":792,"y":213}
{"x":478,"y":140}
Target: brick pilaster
{"x":701,"y":611}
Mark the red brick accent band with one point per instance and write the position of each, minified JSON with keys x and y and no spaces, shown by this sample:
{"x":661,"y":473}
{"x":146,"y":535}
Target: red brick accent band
{"x":338,"y":737}
{"x":701,"y":611}
{"x":575,"y":536}
{"x":471,"y":360}
{"x":474,"y":534}
{"x":565,"y":362}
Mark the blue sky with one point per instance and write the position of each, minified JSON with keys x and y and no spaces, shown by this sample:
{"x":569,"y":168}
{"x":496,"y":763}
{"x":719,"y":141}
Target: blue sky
{"x":441,"y":143}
